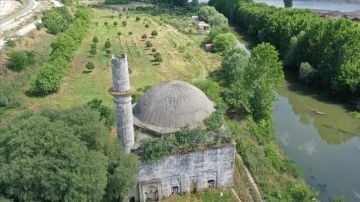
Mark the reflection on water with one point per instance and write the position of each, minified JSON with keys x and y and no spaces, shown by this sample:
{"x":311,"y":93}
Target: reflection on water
{"x":326,"y":147}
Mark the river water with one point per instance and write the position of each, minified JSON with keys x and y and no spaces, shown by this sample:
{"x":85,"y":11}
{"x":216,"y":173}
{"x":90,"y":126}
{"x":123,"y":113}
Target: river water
{"x":326,"y":147}
{"x":313,"y":4}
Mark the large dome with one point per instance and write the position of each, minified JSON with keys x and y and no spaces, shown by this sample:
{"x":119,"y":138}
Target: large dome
{"x":168,"y":106}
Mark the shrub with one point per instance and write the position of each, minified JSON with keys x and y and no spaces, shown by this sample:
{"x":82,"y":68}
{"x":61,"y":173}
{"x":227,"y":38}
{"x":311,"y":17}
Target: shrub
{"x":10,"y":43}
{"x":144,"y":36}
{"x":19,"y":60}
{"x":306,"y":72}
{"x":137,"y":18}
{"x":154,"y":33}
{"x":119,"y":33}
{"x":124,"y":23}
{"x":158,"y":57}
{"x":147,"y":26}
{"x":115,"y":23}
{"x":90,"y":66}
{"x":107,"y":44}
{"x":149,"y":44}
{"x":153,"y":50}
{"x":130,"y":33}
{"x":95,"y":39}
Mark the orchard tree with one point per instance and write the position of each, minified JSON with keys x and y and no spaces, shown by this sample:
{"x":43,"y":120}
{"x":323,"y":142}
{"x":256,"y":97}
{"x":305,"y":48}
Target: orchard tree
{"x":93,"y":51}
{"x":90,"y":66}
{"x":144,"y":36}
{"x":115,"y":23}
{"x":119,"y":33}
{"x":148,"y":44}
{"x":124,"y":23}
{"x":95,"y":39}
{"x":107,"y":44}
{"x":154,"y":33}
{"x":153,"y":50}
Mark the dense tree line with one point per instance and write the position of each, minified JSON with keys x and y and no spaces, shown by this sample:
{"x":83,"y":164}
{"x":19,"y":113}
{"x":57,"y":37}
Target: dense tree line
{"x":331,"y":47}
{"x":63,"y":155}
{"x":51,"y":73}
{"x":57,"y":19}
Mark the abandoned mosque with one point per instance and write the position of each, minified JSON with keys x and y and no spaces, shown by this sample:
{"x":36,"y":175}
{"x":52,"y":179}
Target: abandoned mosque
{"x":166,"y":108}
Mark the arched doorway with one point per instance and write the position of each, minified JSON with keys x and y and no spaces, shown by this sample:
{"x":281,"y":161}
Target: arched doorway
{"x":151,"y":193}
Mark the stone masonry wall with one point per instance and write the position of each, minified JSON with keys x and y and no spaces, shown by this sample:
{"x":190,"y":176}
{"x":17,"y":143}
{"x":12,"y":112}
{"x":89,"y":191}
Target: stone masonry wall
{"x":185,"y":172}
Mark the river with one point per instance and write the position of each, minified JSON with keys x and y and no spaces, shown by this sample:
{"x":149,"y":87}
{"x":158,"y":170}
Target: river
{"x":326,"y":147}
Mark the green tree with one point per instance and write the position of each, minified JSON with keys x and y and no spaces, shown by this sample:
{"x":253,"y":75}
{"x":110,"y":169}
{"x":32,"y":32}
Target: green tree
{"x":93,"y":51}
{"x":153,"y":50}
{"x":19,"y":60}
{"x":154,"y":33}
{"x":95,"y":39}
{"x":206,"y":12}
{"x":306,"y":72}
{"x":57,"y":19}
{"x":233,"y":65}
{"x":137,"y":18}
{"x":119,"y":33}
{"x":144,"y":36}
{"x":223,"y":42}
{"x":288,"y":3}
{"x":90,"y":66}
{"x":147,"y":25}
{"x":107,"y":44}
{"x":115,"y":23}
{"x":61,"y":155}
{"x":124,"y":23}
{"x":157,"y":57}
{"x":148,"y":44}
{"x":43,"y":160}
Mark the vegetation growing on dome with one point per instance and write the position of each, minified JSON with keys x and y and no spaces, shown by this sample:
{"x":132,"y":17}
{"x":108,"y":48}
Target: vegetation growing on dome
{"x":187,"y":139}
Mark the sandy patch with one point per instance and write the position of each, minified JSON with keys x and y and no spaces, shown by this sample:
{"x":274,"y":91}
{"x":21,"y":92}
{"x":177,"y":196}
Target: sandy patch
{"x":7,"y":7}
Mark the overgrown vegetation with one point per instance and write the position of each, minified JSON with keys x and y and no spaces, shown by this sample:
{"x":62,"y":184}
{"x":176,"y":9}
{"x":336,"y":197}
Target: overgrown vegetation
{"x":58,"y":155}
{"x":154,"y":150}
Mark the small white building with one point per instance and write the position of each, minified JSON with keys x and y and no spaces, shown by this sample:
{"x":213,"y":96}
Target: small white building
{"x":203,"y":25}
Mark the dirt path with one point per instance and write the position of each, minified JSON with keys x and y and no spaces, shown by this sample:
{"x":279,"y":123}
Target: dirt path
{"x":251,"y":179}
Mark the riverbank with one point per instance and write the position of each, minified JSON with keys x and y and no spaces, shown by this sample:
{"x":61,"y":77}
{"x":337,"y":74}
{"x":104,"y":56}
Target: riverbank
{"x":353,"y":15}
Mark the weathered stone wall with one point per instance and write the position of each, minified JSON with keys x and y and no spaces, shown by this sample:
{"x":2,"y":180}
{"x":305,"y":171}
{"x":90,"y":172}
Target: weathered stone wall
{"x":185,"y":172}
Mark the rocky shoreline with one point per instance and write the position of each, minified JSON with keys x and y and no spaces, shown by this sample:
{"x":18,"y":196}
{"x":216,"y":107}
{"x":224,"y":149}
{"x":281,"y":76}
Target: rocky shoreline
{"x":354,"y":15}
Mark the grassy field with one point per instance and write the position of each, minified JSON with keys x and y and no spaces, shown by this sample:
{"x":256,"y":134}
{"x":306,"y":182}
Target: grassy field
{"x":183,"y":59}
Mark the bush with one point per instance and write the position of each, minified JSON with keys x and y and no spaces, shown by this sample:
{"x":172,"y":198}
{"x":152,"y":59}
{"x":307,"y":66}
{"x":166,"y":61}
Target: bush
{"x":107,"y":44}
{"x":57,"y":19}
{"x":90,"y":66}
{"x":144,"y":36}
{"x":158,"y":57}
{"x":10,"y":43}
{"x":137,"y":18}
{"x":147,"y":26}
{"x":153,"y":50}
{"x":19,"y":60}
{"x":115,"y":23}
{"x":119,"y":33}
{"x":306,"y":72}
{"x":95,"y":39}
{"x":224,"y":42}
{"x":130,"y":33}
{"x":154,"y":33}
{"x":124,"y":23}
{"x":148,"y":44}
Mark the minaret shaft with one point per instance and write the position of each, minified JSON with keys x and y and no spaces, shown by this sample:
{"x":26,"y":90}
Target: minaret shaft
{"x":122,"y":101}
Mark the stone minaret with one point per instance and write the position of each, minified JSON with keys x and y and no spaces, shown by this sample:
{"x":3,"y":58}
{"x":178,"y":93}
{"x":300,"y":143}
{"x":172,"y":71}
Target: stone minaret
{"x":122,"y":101}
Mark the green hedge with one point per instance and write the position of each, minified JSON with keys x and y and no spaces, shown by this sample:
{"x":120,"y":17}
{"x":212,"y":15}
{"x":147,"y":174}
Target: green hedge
{"x":52,"y":72}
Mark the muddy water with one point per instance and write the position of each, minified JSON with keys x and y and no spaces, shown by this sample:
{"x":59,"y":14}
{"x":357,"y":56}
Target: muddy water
{"x":325,"y":146}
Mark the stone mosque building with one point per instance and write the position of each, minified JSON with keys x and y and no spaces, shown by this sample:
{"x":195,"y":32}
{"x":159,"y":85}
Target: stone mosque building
{"x":166,"y":108}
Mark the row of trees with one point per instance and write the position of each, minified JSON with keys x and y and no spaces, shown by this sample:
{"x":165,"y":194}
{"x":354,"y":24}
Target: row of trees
{"x":52,"y":72}
{"x":64,"y":155}
{"x":57,"y":19}
{"x":330,"y":46}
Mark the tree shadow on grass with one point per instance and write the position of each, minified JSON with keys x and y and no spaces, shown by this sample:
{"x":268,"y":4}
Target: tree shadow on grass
{"x":86,"y":71}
